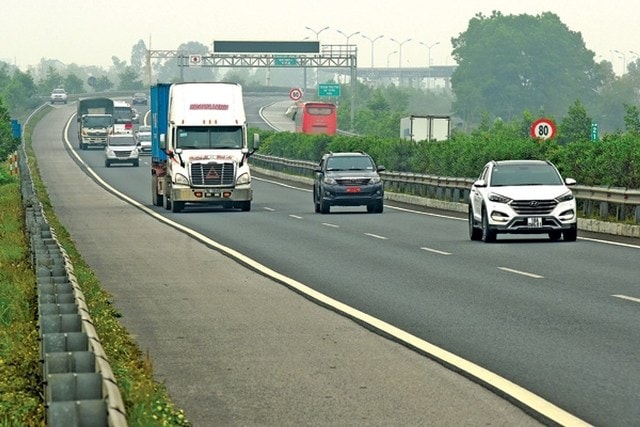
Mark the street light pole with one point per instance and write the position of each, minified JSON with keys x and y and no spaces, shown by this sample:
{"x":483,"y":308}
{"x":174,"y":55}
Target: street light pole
{"x":624,"y":60}
{"x":305,"y":68}
{"x":389,"y":56}
{"x":372,"y":40}
{"x":348,"y":36}
{"x":317,"y":32}
{"x":429,"y":61}
{"x":400,"y":57}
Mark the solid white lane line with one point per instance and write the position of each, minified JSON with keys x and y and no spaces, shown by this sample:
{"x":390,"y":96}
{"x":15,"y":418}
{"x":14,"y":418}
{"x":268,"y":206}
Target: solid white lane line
{"x":609,"y":242}
{"x":435,"y":251}
{"x":628,"y":298}
{"x":522,"y":273}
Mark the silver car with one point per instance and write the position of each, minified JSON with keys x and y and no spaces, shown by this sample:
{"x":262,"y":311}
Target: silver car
{"x":121,"y":148}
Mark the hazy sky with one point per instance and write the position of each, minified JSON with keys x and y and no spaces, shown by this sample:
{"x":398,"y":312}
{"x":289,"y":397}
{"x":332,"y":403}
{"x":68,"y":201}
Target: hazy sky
{"x":88,"y":32}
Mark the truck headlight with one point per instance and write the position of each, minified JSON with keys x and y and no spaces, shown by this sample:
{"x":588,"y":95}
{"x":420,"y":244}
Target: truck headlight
{"x":243,"y":179}
{"x":181,"y":179}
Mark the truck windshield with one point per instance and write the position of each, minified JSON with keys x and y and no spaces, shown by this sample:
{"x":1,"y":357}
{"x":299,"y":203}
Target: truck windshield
{"x":207,"y":138}
{"x":95,"y":122}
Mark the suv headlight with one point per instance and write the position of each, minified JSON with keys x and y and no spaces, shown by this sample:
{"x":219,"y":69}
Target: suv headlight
{"x":498,"y":198}
{"x":565,"y":197}
{"x":330,"y":181}
{"x":375,"y":180}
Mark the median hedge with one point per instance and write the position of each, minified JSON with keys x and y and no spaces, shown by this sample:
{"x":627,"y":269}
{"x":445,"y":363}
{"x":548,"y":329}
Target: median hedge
{"x":612,"y":161}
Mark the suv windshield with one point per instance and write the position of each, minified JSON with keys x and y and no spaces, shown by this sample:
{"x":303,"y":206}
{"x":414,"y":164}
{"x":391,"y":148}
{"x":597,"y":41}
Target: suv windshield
{"x":506,"y":175}
{"x":122,"y":140}
{"x":349,"y":163}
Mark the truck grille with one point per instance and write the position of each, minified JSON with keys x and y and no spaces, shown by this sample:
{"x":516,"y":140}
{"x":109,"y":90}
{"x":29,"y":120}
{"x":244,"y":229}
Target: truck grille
{"x":213,"y":174}
{"x":533,"y":207}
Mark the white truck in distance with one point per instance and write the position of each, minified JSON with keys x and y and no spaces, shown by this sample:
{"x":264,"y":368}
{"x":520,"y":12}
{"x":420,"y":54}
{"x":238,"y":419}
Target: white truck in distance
{"x":199,"y":146}
{"x":425,"y":128}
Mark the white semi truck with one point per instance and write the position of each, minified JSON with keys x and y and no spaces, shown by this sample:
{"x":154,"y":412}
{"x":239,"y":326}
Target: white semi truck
{"x":199,"y":146}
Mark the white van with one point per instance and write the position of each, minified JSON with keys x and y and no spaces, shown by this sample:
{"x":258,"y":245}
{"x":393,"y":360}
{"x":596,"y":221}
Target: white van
{"x":121,"y":148}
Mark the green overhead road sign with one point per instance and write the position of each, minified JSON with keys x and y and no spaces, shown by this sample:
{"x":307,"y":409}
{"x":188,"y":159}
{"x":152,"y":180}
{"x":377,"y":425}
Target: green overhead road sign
{"x":329,"y":90}
{"x":285,"y":60}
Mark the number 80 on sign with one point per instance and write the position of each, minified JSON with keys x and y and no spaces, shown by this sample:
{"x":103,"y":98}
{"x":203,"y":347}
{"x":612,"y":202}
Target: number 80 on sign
{"x":543,"y":129}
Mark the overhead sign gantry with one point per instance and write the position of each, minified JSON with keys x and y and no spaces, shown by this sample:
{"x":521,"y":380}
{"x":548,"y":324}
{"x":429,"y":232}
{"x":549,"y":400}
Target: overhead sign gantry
{"x":270,"y":54}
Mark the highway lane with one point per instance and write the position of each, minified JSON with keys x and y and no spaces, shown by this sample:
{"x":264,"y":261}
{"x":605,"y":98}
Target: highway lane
{"x":234,"y":347}
{"x":541,"y":314}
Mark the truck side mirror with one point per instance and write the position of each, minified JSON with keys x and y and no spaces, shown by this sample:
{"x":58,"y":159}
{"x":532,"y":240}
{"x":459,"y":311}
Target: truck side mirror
{"x":163,"y":142}
{"x":256,"y":141}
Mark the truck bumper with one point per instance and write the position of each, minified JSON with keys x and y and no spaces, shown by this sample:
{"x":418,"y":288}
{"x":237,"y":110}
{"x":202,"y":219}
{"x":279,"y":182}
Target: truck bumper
{"x":213,"y":196}
{"x":95,"y":141}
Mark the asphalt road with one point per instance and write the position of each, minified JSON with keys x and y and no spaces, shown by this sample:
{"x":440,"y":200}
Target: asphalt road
{"x":233,"y":346}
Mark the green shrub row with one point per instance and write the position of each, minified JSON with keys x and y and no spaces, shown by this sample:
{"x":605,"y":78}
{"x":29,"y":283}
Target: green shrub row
{"x":612,"y":161}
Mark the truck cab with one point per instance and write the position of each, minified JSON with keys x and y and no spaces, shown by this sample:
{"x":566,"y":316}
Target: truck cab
{"x":199,"y":146}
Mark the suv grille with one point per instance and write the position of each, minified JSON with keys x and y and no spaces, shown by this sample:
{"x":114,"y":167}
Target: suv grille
{"x":353,"y":181}
{"x":213,"y":174}
{"x":533,"y":207}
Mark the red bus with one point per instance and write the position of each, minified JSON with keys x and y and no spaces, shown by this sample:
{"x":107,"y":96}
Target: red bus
{"x":316,"y":118}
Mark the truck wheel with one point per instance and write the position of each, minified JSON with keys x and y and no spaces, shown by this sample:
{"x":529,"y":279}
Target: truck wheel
{"x":244,"y":206}
{"x":177,"y":207}
{"x":156,"y":199}
{"x":166,"y":202}
{"x":106,"y":163}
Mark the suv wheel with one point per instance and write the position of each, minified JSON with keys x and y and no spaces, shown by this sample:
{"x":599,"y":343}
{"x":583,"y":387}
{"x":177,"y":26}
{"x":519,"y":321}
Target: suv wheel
{"x":571,"y":235}
{"x":488,"y":235}
{"x":316,"y":204}
{"x":554,"y":236}
{"x":325,"y":207}
{"x":375,"y":207}
{"x":475,"y":233}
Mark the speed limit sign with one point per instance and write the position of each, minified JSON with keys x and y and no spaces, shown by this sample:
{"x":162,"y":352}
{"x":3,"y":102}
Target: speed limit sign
{"x":295,"y":94}
{"x":543,"y":129}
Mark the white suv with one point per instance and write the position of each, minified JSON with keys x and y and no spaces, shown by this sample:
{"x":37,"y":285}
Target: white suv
{"x":58,"y":95}
{"x":522,"y":197}
{"x":121,"y":148}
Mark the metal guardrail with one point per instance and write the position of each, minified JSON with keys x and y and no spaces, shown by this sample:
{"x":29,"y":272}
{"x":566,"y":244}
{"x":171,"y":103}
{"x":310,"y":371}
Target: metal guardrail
{"x":606,"y":203}
{"x":79,"y":387}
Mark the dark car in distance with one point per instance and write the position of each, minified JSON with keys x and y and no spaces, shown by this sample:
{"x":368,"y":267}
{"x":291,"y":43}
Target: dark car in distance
{"x":348,"y":179}
{"x":139,"y":98}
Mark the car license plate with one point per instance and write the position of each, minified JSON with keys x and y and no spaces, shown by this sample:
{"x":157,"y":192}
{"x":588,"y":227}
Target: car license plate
{"x":353,"y":189}
{"x":534,"y":222}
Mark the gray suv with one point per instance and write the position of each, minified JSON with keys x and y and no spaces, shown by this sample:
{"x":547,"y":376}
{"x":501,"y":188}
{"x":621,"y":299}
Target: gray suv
{"x":348,"y":179}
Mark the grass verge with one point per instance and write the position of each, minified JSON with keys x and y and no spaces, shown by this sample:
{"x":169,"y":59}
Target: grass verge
{"x":21,"y":402}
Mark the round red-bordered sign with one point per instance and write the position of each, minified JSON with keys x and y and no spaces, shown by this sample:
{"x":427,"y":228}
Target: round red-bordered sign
{"x":295,"y":94}
{"x":543,"y":129}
